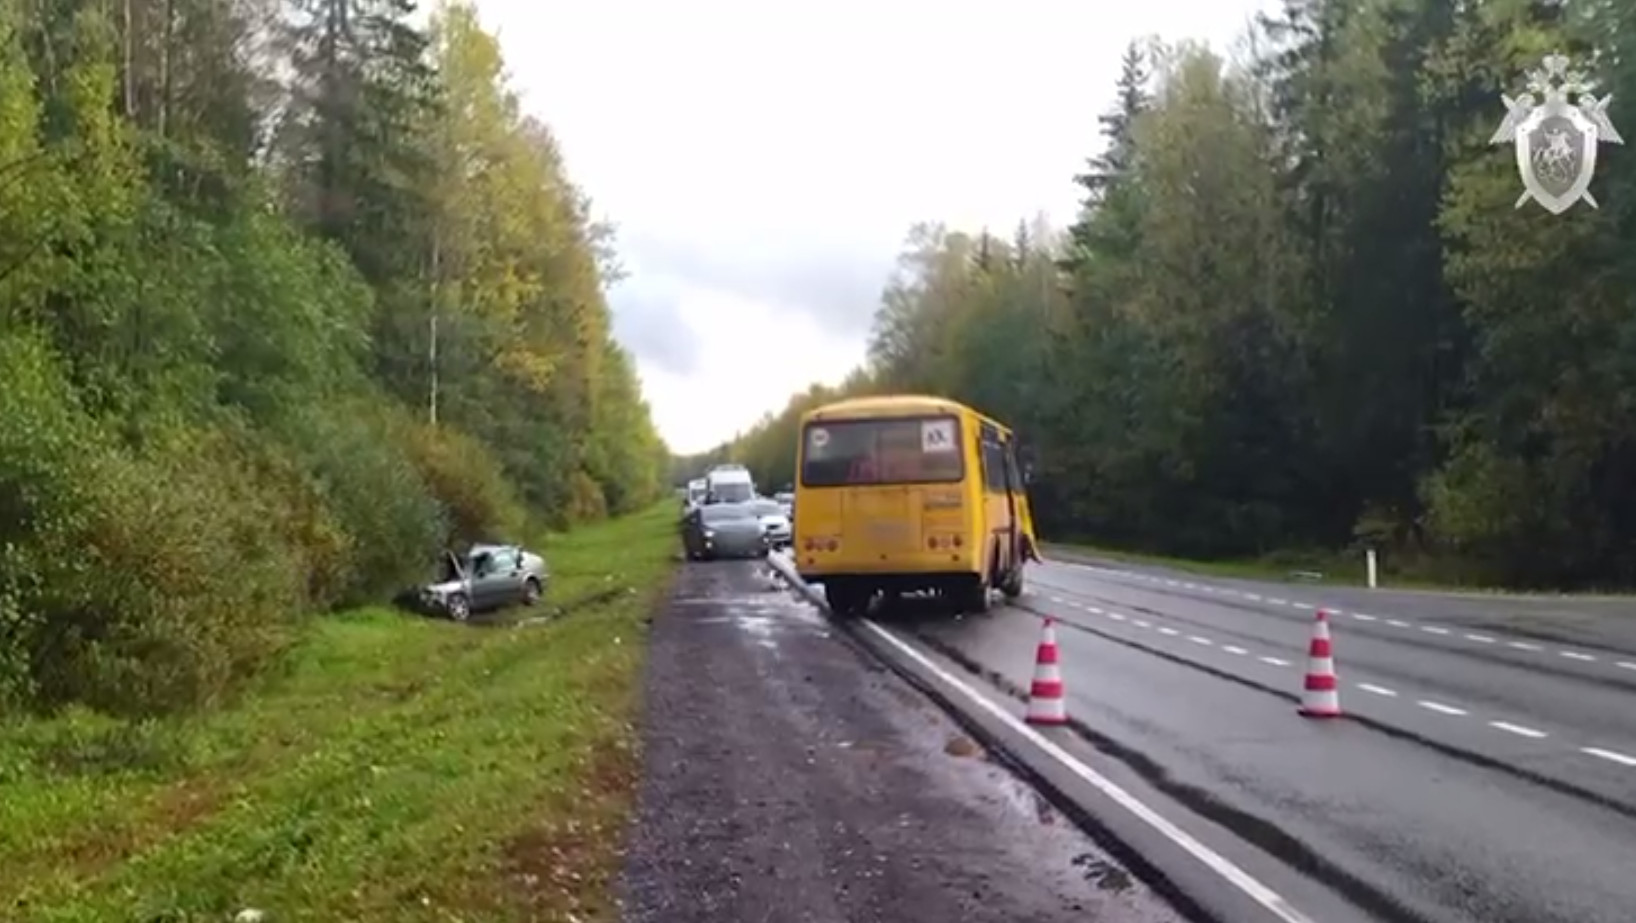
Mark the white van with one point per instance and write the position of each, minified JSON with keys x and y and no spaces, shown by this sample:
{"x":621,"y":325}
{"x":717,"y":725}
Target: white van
{"x":729,"y":484}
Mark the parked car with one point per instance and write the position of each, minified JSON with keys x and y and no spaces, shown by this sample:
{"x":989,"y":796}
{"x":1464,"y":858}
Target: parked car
{"x":786,"y":499}
{"x":775,"y":522}
{"x":486,"y":577}
{"x":724,"y":530}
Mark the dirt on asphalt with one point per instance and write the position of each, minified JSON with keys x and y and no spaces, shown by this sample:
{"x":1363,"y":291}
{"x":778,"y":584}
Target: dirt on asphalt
{"x":788,"y":778}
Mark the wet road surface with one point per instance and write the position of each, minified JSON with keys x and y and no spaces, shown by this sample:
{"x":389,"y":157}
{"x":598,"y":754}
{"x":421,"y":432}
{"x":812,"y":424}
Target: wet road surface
{"x":1607,"y":622}
{"x":788,"y":777}
{"x":1486,"y":776}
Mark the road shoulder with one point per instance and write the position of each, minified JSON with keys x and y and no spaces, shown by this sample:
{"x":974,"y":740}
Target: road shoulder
{"x":788,"y":777}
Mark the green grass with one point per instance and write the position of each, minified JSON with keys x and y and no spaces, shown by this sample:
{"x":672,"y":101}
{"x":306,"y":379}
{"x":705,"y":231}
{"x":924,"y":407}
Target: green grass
{"x":396,"y":769}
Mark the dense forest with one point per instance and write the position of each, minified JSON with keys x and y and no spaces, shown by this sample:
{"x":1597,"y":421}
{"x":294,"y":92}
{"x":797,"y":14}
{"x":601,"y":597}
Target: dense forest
{"x":291,"y":294}
{"x":1299,"y":311}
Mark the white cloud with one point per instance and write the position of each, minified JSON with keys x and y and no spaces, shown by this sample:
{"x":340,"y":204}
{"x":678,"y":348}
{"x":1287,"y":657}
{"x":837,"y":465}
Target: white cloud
{"x":740,"y":143}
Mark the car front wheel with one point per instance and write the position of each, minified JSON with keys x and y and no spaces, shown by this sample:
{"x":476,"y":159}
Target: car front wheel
{"x":531,"y":592}
{"x":459,"y":608}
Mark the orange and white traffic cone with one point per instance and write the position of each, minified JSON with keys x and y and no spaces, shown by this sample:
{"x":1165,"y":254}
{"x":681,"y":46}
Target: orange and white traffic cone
{"x":1045,"y":701}
{"x":1321,"y":696}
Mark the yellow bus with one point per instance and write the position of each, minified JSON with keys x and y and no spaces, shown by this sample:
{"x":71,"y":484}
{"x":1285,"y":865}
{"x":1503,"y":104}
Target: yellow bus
{"x":909,"y":493}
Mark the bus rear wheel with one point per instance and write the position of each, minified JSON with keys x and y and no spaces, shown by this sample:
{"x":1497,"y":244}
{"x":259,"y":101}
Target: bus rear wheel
{"x":847,"y":599}
{"x":1012,"y":585}
{"x":972,"y":597}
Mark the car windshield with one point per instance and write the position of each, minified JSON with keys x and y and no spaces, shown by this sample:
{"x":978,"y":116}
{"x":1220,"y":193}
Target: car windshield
{"x":732,"y":493}
{"x":726,"y":512}
{"x":768,"y":508}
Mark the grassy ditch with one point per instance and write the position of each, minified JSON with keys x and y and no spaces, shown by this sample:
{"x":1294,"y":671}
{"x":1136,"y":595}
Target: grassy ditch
{"x":395,"y":768}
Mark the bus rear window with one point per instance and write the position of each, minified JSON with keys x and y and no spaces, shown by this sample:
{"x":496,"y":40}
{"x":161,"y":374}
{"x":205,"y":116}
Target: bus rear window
{"x":915,"y":450}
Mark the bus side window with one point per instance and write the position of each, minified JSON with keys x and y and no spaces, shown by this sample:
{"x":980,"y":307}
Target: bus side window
{"x":993,"y":458}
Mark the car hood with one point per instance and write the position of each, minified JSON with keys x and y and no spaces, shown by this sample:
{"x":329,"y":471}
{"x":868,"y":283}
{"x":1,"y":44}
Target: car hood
{"x":443,"y":588}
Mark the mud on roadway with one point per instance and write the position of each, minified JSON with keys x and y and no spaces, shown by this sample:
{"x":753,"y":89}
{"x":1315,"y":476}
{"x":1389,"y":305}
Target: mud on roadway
{"x":788,"y":777}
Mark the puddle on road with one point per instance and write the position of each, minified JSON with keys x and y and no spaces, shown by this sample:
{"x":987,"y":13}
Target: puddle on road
{"x":1104,"y":874}
{"x":763,"y":617}
{"x":1021,"y":820}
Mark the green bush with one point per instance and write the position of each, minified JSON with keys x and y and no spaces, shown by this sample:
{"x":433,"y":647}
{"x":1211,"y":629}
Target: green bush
{"x":475,"y":492}
{"x":181,"y":588}
{"x":134,"y":582}
{"x":366,"y":476}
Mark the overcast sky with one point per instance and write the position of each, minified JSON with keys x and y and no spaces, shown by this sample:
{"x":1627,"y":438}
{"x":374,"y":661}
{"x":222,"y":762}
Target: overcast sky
{"x":763,"y":160}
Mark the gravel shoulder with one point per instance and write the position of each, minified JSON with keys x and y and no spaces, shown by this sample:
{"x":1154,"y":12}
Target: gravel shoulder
{"x":788,"y":778}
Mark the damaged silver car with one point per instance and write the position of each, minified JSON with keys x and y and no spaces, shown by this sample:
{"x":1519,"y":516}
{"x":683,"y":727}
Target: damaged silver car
{"x":485,"y":578}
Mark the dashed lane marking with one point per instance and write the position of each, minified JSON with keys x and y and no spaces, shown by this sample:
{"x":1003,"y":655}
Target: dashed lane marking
{"x":1507,"y":727}
{"x":1250,"y":886}
{"x":1516,"y":729}
{"x":1610,"y":755}
{"x":1360,"y":616}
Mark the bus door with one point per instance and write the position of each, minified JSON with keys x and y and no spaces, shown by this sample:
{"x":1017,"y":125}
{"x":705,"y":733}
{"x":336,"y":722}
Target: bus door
{"x":996,"y":493}
{"x":1017,"y":495}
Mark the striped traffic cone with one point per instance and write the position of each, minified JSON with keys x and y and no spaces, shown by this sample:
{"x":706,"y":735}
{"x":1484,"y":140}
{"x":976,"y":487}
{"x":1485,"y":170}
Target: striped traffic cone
{"x":1321,"y":696}
{"x":1045,"y":702}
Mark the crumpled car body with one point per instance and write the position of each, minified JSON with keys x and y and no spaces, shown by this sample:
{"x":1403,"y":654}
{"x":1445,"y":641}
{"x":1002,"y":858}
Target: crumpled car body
{"x":485,"y":578}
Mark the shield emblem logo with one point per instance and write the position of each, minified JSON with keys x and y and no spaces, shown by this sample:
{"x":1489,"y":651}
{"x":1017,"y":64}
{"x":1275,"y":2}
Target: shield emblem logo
{"x":1556,"y":155}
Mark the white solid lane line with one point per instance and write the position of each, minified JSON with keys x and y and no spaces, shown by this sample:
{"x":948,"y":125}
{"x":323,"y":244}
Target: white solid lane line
{"x":1440,"y":707}
{"x":1517,"y":729}
{"x":1214,"y":861}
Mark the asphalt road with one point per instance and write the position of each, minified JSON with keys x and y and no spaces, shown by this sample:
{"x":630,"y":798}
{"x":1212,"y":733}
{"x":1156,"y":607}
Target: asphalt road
{"x":1485,"y":773}
{"x":1568,"y":618}
{"x":790,"y":777}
